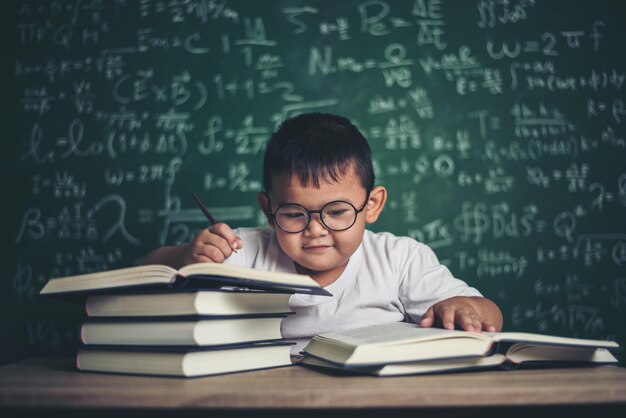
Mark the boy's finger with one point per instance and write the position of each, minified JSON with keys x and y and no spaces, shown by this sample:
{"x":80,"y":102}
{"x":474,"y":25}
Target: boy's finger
{"x":465,"y":321}
{"x":211,"y":252}
{"x":488,"y":326}
{"x":475,"y":323}
{"x":238,"y":244}
{"x":217,"y":243}
{"x":447,"y":318}
{"x":203,"y":237}
{"x":478,"y":325}
{"x":428,"y":318}
{"x":225,"y":231}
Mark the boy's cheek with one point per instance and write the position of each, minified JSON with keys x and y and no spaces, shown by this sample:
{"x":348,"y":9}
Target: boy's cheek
{"x":286,"y":241}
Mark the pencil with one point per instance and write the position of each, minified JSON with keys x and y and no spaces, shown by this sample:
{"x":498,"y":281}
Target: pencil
{"x":208,"y":214}
{"x":204,"y":209}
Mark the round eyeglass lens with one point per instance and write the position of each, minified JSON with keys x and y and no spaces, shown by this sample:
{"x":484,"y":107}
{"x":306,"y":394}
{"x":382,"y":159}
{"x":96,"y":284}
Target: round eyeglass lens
{"x":338,"y":215}
{"x":292,"y":218}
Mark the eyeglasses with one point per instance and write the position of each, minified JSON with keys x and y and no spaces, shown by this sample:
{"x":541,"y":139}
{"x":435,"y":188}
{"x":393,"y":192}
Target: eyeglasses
{"x":337,"y":215}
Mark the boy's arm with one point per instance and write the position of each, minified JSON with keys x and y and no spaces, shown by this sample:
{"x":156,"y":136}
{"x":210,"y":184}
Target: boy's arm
{"x":469,"y":313}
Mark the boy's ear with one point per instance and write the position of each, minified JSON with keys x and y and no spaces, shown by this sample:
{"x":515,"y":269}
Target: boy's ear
{"x":263,"y":199}
{"x":375,"y":204}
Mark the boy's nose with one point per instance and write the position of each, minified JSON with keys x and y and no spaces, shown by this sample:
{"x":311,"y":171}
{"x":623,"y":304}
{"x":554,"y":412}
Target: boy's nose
{"x":316,"y":226}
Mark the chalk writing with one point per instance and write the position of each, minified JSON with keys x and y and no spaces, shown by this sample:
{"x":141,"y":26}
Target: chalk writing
{"x":496,"y":126}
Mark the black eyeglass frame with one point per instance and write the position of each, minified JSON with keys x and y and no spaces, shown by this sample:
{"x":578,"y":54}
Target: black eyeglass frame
{"x":319,"y":211}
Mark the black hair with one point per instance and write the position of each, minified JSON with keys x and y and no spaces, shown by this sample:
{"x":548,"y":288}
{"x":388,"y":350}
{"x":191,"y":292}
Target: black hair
{"x":318,"y":147}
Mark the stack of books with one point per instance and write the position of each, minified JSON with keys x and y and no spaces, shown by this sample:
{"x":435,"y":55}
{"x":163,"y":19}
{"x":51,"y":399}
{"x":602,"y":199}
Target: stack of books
{"x":401,"y":348}
{"x":203,"y":319}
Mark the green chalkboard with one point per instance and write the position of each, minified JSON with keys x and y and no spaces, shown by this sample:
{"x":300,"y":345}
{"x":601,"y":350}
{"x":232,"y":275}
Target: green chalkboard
{"x":497,"y":127}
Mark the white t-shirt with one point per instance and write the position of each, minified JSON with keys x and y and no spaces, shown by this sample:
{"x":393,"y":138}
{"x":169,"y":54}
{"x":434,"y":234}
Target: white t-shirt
{"x":387,"y":279}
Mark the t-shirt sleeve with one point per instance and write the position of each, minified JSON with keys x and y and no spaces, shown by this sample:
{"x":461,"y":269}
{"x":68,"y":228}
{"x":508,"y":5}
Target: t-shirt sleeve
{"x":426,"y":281}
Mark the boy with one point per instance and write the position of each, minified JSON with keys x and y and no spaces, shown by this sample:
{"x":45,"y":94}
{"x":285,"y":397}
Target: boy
{"x":319,"y":195}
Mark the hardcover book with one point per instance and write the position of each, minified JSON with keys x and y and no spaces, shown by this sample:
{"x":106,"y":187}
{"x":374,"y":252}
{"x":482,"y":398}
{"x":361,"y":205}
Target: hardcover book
{"x":401,"y":342}
{"x":201,"y":302}
{"x":201,"y":331}
{"x":185,"y":362}
{"x":192,"y":276}
{"x":526,"y":355}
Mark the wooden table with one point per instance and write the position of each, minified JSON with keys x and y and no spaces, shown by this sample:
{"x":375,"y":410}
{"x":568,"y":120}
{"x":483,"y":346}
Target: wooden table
{"x":49,"y":386}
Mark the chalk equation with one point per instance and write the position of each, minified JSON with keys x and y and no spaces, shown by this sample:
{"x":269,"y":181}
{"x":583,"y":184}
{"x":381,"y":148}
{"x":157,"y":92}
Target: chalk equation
{"x":496,"y":126}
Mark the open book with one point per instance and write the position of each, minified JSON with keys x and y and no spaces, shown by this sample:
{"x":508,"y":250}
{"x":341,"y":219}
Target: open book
{"x":525,"y":354}
{"x":192,"y":276}
{"x":401,"y":342}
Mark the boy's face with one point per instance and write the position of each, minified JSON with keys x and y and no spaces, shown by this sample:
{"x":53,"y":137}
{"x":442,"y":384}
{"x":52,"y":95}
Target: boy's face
{"x":318,"y":250}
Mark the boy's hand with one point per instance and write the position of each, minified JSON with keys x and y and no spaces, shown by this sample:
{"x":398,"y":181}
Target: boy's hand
{"x":467,"y":313}
{"x":214,"y":245}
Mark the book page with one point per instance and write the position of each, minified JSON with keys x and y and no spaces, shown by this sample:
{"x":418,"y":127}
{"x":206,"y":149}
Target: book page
{"x":520,"y":353}
{"x":548,"y":339}
{"x":393,"y":332}
{"x":146,"y":274}
{"x":228,"y":270}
